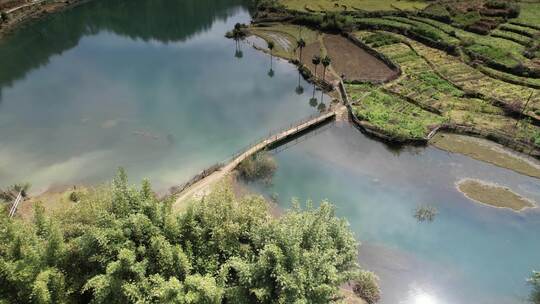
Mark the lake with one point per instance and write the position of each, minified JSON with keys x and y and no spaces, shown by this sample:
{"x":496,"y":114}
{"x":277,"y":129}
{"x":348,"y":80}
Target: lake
{"x":154,"y":86}
{"x":470,"y":253}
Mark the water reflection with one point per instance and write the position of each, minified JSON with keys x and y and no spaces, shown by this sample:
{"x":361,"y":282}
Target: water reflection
{"x":151,"y":86}
{"x":160,"y":20}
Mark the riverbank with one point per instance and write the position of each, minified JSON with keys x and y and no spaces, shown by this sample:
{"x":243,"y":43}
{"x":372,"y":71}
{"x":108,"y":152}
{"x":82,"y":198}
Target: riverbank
{"x":22,"y":14}
{"x":486,"y":151}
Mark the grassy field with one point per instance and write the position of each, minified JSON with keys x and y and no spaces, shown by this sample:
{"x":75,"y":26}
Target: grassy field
{"x":353,"y":5}
{"x":530,"y":14}
{"x":422,"y":86}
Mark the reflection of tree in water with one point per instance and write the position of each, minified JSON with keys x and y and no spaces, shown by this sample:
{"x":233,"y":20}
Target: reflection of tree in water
{"x":162,"y":20}
{"x":313,"y":102}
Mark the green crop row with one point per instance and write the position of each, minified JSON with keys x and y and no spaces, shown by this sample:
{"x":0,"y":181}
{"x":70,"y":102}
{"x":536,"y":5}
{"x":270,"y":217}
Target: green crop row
{"x":396,"y":116}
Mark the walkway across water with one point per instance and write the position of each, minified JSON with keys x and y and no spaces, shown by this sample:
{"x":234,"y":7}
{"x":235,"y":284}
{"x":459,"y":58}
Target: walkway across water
{"x":200,"y":187}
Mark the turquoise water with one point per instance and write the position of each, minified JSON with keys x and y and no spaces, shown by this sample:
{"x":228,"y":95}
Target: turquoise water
{"x":152,"y":86}
{"x":155,"y":87}
{"x":471,"y":253}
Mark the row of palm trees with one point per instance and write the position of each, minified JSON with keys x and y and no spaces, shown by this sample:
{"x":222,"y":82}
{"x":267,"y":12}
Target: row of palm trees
{"x":316,"y":60}
{"x":326,"y":61}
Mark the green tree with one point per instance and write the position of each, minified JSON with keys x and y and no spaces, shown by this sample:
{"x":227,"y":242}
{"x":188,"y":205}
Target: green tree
{"x":326,"y":61}
{"x":300,"y":45}
{"x":121,"y":244}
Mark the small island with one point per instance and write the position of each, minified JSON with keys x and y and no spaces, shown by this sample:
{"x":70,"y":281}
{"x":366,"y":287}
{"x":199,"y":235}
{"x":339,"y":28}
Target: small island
{"x":493,"y":195}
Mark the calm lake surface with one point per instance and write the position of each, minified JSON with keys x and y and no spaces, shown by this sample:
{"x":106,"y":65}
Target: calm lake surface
{"x":153,"y":86}
{"x":470,"y":253}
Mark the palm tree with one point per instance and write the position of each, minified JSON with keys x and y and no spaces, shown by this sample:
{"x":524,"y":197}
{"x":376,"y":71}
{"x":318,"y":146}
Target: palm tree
{"x":300,"y":44}
{"x":325,"y":62}
{"x":316,"y":60}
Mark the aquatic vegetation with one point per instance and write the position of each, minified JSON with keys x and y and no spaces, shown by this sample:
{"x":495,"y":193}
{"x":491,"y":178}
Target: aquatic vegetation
{"x":426,"y":213}
{"x":366,"y":287}
{"x":259,"y":167}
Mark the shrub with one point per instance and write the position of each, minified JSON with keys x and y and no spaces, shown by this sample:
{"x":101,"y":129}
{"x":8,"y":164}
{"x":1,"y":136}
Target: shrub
{"x":336,"y":22}
{"x":309,"y":20}
{"x":258,"y":167}
{"x":3,"y":16}
{"x":74,"y":196}
{"x":366,"y":287}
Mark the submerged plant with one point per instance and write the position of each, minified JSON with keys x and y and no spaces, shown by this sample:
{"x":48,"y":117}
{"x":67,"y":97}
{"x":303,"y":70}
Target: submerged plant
{"x":425,"y":213}
{"x":258,"y":167}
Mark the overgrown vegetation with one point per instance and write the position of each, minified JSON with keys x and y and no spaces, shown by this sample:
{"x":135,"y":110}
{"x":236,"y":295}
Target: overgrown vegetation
{"x":258,"y":167}
{"x":11,"y":192}
{"x":121,"y":244}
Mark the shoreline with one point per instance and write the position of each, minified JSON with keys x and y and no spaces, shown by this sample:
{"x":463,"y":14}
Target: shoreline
{"x":23,"y":15}
{"x":526,"y":148}
{"x":528,"y":204}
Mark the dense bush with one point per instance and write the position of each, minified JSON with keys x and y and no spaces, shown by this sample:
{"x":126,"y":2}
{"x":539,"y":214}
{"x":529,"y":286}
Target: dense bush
{"x":336,"y":22}
{"x":258,"y":167}
{"x":425,"y":32}
{"x":269,"y":5}
{"x":366,"y":287}
{"x":328,"y":22}
{"x":437,"y":11}
{"x":123,"y":245}
{"x":3,"y":16}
